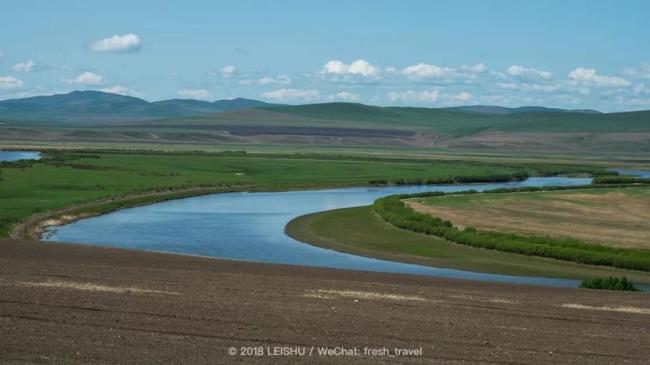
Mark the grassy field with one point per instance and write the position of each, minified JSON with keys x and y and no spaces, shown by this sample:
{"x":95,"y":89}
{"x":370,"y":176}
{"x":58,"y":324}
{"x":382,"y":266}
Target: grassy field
{"x":68,"y":178}
{"x":346,"y":125}
{"x":616,"y":217}
{"x":360,"y":231}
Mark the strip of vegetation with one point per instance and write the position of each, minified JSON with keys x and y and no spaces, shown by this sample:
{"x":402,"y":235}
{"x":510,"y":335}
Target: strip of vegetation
{"x":521,"y":174}
{"x":394,"y":211}
{"x":615,"y":180}
{"x":518,"y":176}
{"x":531,"y":169}
{"x":609,"y":283}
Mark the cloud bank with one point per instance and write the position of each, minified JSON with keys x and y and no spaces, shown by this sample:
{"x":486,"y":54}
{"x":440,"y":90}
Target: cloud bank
{"x":128,"y":43}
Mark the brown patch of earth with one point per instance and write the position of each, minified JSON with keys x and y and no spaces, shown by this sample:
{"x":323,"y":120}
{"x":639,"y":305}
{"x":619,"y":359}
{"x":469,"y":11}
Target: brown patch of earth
{"x":614,"y":218}
{"x":66,"y":303}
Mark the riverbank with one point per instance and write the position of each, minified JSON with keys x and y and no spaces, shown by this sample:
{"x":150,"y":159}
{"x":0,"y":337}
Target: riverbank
{"x":77,"y":304}
{"x":35,"y":226}
{"x":359,"y":231}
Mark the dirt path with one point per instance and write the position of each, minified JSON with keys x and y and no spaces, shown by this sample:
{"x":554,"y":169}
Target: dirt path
{"x":64,"y":303}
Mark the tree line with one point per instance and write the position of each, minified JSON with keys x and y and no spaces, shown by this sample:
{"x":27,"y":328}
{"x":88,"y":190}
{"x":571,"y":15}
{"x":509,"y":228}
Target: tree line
{"x":516,"y":176}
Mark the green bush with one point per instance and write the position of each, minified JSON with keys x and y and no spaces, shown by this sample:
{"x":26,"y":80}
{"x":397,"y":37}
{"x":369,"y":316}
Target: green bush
{"x":610,"y":283}
{"x":612,"y":180}
{"x":518,"y":176}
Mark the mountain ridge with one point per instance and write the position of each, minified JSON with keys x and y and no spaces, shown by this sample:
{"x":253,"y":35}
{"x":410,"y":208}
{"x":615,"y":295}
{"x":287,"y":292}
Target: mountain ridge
{"x":102,"y":106}
{"x":97,"y":106}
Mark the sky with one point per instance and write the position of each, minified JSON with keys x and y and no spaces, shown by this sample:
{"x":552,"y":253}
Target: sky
{"x":570,"y":54}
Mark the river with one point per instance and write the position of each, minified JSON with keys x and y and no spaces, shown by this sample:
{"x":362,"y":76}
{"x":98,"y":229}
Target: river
{"x":250,"y":226}
{"x":19,"y":155}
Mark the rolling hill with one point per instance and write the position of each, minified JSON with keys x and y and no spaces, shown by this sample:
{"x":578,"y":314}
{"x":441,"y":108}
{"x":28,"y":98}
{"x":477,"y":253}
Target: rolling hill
{"x":97,"y":106}
{"x":522,"y":129}
{"x":116,"y":118}
{"x":458,"y":122}
{"x":492,"y":109}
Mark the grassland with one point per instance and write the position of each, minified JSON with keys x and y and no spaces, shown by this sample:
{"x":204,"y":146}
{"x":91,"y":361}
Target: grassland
{"x":64,"y":179}
{"x":616,"y":217}
{"x":346,"y":125}
{"x":360,"y":231}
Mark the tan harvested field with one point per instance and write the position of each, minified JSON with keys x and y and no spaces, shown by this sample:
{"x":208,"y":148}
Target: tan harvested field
{"x":617,"y":218}
{"x":82,"y":304}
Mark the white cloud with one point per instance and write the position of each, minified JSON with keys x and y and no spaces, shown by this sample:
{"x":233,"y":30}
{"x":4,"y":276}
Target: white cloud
{"x":426,"y":70}
{"x":588,"y":76}
{"x":292,"y":94}
{"x":118,"y":89}
{"x":26,"y":66}
{"x":474,"y":69}
{"x":345,"y":95}
{"x":426,"y":96}
{"x":641,"y":72}
{"x":430,"y":96}
{"x":359,"y":67}
{"x":86,"y":78}
{"x":280,"y":79}
{"x":528,"y":87}
{"x":10,"y":82}
{"x":268,"y":80}
{"x":641,"y":89}
{"x":528,"y":72}
{"x":227,"y":71}
{"x":200,"y":94}
{"x":127,"y":43}
{"x":462,"y":97}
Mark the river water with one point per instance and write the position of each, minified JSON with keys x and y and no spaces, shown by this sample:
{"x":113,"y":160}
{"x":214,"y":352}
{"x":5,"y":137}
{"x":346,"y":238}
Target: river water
{"x":636,"y":173}
{"x":250,"y":226}
{"x":19,"y":155}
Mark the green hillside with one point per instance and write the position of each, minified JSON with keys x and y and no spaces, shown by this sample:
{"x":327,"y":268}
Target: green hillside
{"x":102,"y":117}
{"x":447,"y":121}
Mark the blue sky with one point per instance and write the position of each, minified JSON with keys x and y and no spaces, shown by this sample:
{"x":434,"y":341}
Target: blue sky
{"x":574,"y":54}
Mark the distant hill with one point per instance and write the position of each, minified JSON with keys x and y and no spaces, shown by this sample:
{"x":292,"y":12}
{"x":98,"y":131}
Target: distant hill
{"x":97,"y":106}
{"x":444,"y":122}
{"x":491,"y":109}
{"x":118,"y":118}
{"x":459,"y":121}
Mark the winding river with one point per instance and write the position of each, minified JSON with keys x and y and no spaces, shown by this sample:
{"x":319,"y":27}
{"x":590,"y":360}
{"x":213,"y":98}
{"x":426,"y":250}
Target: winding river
{"x":637,"y":173}
{"x":250,"y":226}
{"x":19,"y":155}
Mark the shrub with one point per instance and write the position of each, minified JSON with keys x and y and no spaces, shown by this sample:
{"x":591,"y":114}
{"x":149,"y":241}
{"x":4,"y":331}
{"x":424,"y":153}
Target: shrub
{"x":620,"y":180}
{"x":610,"y":283}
